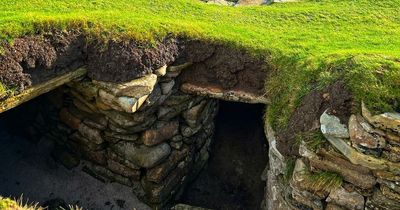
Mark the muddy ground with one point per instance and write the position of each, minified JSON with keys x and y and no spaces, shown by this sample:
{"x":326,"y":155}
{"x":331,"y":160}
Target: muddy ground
{"x":232,"y":178}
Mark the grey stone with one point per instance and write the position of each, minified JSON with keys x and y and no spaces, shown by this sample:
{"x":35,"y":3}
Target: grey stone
{"x":155,"y":98}
{"x":109,"y":175}
{"x":92,"y":134}
{"x":134,"y":129}
{"x":155,"y":136}
{"x":86,"y":88}
{"x":84,"y":142}
{"x":176,"y":145}
{"x":98,"y":122}
{"x":159,"y":172}
{"x":166,"y":87}
{"x":118,"y":168}
{"x":251,"y":2}
{"x":386,"y":121}
{"x":308,"y":199}
{"x":300,"y":179}
{"x":392,"y":153}
{"x":331,"y":126}
{"x":174,"y":71}
{"x":192,"y":115}
{"x":69,"y":119}
{"x":359,"y":136}
{"x":115,"y":157}
{"x":177,"y":138}
{"x":187,"y":207}
{"x":348,"y":200}
{"x":188,"y":131}
{"x":115,"y":137}
{"x":381,"y":202}
{"x":135,"y":88}
{"x":142,"y":155}
{"x":220,"y":2}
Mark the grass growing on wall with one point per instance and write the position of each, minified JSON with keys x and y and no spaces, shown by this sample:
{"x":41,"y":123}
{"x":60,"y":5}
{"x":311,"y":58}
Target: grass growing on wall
{"x":308,"y":44}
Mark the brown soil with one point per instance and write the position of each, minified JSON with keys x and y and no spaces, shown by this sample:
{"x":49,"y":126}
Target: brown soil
{"x":31,"y":60}
{"x":224,"y":67}
{"x":232,"y":179}
{"x":335,"y":97}
{"x":122,"y":61}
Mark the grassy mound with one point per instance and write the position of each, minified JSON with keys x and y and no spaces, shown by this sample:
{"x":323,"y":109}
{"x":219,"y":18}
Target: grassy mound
{"x":309,"y":44}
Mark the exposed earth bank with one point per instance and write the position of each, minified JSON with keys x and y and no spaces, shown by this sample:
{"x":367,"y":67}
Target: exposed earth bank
{"x":31,"y":60}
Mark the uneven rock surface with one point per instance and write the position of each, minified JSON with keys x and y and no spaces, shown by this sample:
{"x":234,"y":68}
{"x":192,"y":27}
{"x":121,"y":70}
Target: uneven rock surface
{"x":357,"y":155}
{"x":137,"y":133}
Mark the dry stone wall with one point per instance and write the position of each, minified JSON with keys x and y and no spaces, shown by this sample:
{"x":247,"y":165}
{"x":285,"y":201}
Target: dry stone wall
{"x":144,"y":133}
{"x":355,"y":165}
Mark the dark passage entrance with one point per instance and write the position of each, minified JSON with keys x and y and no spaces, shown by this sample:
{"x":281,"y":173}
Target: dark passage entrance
{"x":239,"y":154}
{"x":28,"y":165}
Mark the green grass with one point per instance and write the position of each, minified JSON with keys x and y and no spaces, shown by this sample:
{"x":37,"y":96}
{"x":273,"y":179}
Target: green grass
{"x":21,"y":204}
{"x":312,"y":140}
{"x":308,"y":44}
{"x":323,"y":181}
{"x":17,"y":204}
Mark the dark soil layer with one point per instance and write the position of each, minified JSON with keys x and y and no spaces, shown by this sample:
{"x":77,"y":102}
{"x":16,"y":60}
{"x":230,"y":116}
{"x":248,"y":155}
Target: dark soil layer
{"x":232,"y":179}
{"x":34,"y":59}
{"x":305,"y":119}
{"x":224,"y":67}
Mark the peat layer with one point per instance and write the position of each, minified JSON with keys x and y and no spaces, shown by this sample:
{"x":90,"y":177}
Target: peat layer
{"x":30,"y":60}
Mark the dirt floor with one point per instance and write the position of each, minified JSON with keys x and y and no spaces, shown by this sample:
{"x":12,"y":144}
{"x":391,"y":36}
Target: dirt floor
{"x":27,"y":168}
{"x":232,"y":178}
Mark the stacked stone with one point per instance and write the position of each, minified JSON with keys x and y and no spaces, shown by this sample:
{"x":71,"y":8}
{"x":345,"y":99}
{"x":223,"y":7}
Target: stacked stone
{"x":144,"y":133}
{"x":363,"y":153}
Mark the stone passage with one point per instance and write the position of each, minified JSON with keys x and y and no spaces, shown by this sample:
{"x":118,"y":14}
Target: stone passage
{"x":232,"y":178}
{"x":144,"y":133}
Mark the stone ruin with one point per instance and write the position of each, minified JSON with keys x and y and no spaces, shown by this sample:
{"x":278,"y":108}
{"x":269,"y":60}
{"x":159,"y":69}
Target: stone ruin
{"x":145,"y":133}
{"x":153,"y":133}
{"x":364,"y":153}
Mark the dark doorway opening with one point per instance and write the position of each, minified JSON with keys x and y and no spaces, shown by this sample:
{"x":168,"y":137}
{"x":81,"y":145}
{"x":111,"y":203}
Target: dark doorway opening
{"x":29,"y":166}
{"x":232,"y":178}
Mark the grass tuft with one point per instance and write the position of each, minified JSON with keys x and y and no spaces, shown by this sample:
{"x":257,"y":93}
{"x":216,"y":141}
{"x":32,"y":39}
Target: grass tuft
{"x":290,"y":164}
{"x":312,"y":140}
{"x":323,"y":181}
{"x":18,"y":204}
{"x":21,"y":204}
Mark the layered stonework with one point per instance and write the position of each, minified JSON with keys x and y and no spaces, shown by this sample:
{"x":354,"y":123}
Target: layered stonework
{"x":356,"y":163}
{"x":144,"y":133}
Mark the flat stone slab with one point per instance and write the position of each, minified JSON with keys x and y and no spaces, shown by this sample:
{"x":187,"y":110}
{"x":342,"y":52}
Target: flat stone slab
{"x":40,"y":89}
{"x":228,"y":95}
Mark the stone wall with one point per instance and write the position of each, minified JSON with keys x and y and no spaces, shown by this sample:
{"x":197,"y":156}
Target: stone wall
{"x":344,"y":166}
{"x":144,"y":133}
